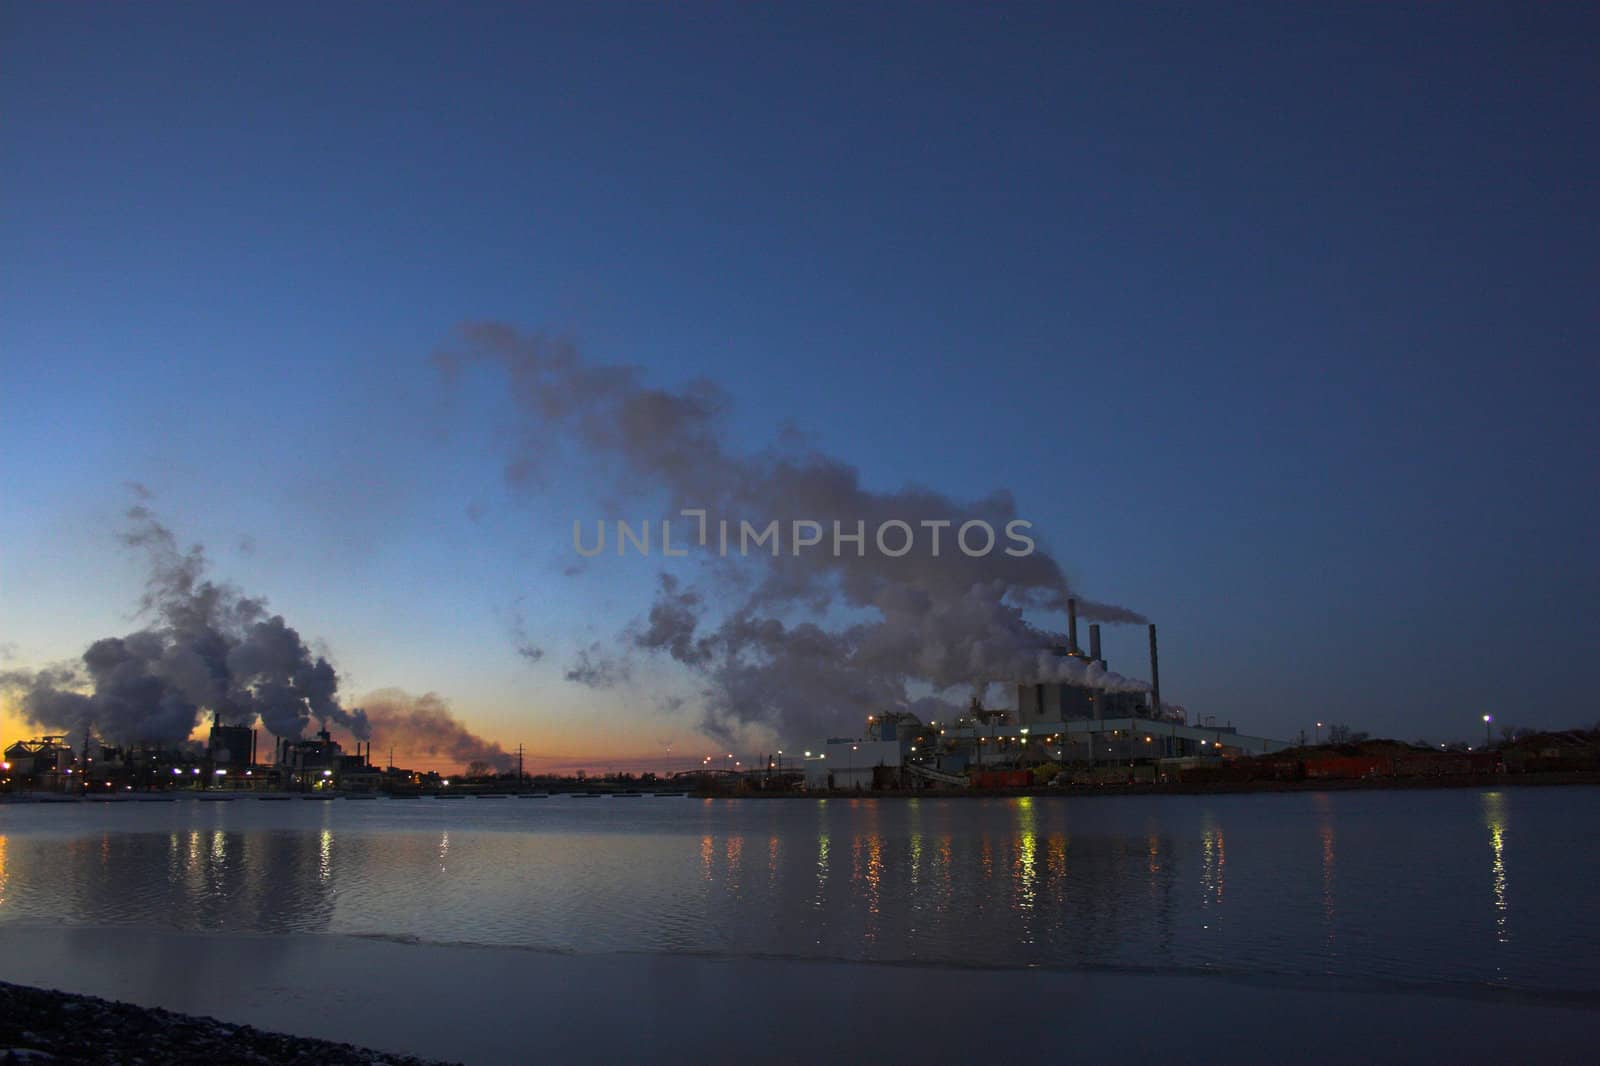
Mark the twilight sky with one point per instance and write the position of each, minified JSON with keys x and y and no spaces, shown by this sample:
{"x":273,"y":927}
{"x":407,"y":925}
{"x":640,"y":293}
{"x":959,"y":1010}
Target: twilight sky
{"x":1280,"y":325}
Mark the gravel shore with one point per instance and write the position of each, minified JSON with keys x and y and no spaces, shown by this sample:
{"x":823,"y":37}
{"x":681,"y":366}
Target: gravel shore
{"x":37,"y":1025}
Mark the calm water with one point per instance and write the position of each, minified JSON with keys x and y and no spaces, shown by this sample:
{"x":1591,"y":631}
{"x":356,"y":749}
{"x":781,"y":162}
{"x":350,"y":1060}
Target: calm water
{"x":1449,"y":887}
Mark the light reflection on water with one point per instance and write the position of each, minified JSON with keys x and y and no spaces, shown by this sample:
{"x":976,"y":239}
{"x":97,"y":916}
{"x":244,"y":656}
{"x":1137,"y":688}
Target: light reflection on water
{"x":1494,"y":811}
{"x":1360,"y":885}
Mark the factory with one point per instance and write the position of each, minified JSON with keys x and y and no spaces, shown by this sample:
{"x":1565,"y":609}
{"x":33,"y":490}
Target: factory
{"x":321,"y":763}
{"x":1088,"y":729}
{"x":227,"y":761}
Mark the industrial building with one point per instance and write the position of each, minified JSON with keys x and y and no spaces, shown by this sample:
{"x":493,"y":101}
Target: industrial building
{"x":1079,"y":726}
{"x":231,"y":746}
{"x":321,"y":762}
{"x":43,"y":756}
{"x":227,"y":761}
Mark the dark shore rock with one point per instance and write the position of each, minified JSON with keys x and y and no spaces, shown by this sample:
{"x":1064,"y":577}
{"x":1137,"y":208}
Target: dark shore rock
{"x":40,"y":1026}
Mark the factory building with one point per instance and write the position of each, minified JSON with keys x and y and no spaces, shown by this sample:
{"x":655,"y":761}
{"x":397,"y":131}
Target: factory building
{"x":227,"y":762}
{"x":37,"y":758}
{"x":1055,"y":724}
{"x":231,"y":746}
{"x":1046,"y":703}
{"x":856,"y":763}
{"x":1080,"y":723}
{"x":321,"y":763}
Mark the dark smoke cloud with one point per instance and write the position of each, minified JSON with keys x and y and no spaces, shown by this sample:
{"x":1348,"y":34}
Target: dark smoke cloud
{"x":778,"y":655}
{"x":423,"y":728}
{"x":524,"y":645}
{"x":594,"y":668}
{"x":209,"y":648}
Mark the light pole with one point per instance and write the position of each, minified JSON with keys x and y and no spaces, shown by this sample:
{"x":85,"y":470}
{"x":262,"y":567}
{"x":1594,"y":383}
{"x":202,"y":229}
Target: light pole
{"x":1318,"y":733}
{"x":1486,"y":720}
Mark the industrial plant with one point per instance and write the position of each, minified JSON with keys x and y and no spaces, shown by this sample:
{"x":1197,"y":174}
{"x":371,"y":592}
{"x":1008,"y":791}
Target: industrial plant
{"x":1071,"y":730}
{"x":227,"y":762}
{"x":1086,"y":726}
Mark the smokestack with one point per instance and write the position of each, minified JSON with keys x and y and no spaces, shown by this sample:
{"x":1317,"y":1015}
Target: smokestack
{"x":1072,"y":627}
{"x":1155,"y":674}
{"x":1094,"y":643}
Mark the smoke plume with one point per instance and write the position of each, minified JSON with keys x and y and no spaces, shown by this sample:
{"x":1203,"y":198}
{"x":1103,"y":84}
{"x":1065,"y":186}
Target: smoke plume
{"x":423,"y":728}
{"x":802,"y":642}
{"x":209,"y":648}
{"x":595,"y":669}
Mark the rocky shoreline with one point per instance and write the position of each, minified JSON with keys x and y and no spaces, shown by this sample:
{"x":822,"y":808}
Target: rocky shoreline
{"x":42,"y":1026}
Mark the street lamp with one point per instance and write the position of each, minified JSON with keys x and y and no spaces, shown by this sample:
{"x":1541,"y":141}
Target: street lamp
{"x":1319,"y":733}
{"x":1486,"y":720}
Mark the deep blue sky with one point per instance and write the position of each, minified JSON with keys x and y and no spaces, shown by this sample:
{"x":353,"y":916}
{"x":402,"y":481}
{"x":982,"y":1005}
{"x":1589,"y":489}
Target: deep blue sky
{"x":1280,"y":323}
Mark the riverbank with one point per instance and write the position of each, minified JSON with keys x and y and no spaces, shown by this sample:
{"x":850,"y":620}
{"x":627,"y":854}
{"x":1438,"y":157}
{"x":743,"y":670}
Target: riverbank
{"x":491,"y":1005}
{"x":1192,"y":788}
{"x":42,"y":1025}
{"x":1104,"y":788}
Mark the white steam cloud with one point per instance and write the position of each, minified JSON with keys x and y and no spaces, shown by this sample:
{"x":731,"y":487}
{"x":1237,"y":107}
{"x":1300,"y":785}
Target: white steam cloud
{"x":797,"y":644}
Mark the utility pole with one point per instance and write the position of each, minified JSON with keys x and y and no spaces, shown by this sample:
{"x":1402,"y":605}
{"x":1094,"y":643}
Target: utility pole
{"x":521,"y":778}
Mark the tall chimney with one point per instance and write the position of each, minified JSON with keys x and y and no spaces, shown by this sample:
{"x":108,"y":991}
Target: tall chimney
{"x":1155,"y":674}
{"x":1072,"y":627}
{"x":1094,"y":643}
